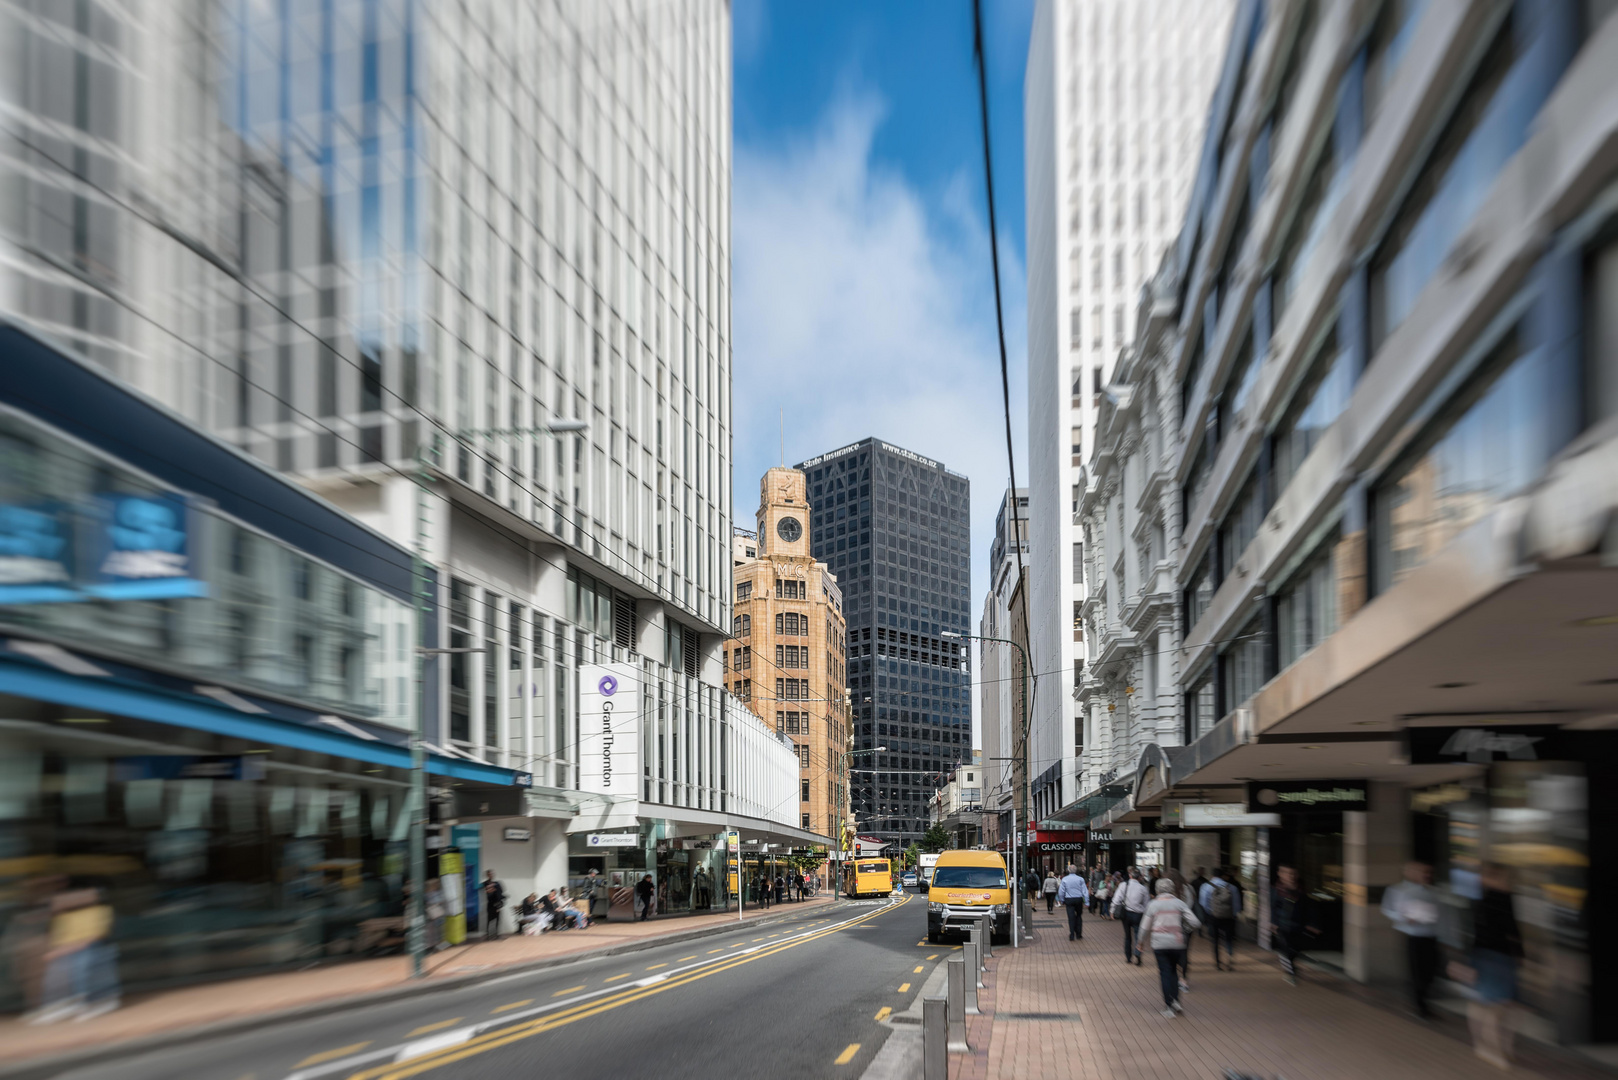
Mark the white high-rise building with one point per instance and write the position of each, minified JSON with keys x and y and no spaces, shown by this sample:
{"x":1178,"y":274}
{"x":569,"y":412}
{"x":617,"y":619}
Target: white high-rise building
{"x":1115,"y":102}
{"x":479,"y":250}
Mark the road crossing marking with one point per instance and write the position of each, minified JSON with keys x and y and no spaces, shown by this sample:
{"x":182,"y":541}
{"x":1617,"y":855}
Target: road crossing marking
{"x":413,"y":1059}
{"x":511,"y":1005}
{"x":331,"y":1055}
{"x":884,"y":1012}
{"x":440,"y":1026}
{"x":847,"y":1055}
{"x":904,"y":988}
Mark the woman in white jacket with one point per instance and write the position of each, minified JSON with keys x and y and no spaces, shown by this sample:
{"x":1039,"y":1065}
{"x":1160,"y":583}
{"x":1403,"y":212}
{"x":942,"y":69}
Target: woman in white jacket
{"x":1167,"y":921}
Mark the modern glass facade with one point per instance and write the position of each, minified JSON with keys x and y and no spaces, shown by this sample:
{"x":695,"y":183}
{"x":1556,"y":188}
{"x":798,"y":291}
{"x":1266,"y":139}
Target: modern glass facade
{"x":895,"y":528}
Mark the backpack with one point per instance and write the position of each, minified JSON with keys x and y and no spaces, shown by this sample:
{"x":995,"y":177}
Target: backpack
{"x":1222,"y":902}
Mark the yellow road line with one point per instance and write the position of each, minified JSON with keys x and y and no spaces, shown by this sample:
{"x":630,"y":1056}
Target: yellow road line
{"x":934,"y":956}
{"x":847,"y":1055}
{"x":918,"y":969}
{"x":693,"y":956}
{"x":712,"y":951}
{"x":514,"y":1005}
{"x":329,"y":1055}
{"x":904,"y":988}
{"x":569,"y":990}
{"x":584,"y":1010}
{"x":425,"y":1028}
{"x":884,"y":1012}
{"x":654,"y":967}
{"x":615,"y":978}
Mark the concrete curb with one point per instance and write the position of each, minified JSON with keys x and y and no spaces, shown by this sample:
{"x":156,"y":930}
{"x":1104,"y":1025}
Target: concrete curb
{"x":899,"y":1058}
{"x":42,"y":1068}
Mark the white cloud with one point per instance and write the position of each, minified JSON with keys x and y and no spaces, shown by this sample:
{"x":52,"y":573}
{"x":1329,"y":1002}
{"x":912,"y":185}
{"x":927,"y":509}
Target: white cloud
{"x":864,"y":307}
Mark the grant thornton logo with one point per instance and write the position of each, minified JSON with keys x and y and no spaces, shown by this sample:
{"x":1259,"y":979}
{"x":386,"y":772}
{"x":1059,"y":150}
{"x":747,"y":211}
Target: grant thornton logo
{"x":608,"y":685}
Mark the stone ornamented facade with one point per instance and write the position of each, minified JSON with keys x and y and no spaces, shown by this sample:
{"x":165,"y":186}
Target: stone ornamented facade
{"x":786,"y":658}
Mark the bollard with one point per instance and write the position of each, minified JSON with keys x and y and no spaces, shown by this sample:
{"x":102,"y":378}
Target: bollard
{"x":973,"y":978}
{"x":956,"y":1013}
{"x":974,"y":942}
{"x":988,"y":937}
{"x":934,"y":1035}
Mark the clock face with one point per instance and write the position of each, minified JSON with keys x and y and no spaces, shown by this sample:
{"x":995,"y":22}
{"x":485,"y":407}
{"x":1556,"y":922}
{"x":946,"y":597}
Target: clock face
{"x":789,"y":529}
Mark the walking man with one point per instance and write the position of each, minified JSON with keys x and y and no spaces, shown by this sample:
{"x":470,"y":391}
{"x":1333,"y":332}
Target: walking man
{"x":645,"y":893}
{"x":1223,"y":903}
{"x":1291,"y":911}
{"x":1412,"y":905}
{"x":1073,"y":894}
{"x":494,"y":899}
{"x":1131,"y":900}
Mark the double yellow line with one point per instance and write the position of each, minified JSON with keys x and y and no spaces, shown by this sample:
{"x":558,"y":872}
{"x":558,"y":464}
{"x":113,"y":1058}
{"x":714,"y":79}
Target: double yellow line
{"x":398,"y":1070}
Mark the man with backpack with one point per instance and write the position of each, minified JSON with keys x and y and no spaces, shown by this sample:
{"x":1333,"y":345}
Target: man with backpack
{"x":1129,"y":907}
{"x":1222,"y":900}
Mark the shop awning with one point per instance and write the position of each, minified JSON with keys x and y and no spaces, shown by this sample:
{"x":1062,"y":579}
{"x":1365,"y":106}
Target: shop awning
{"x":120,"y":696}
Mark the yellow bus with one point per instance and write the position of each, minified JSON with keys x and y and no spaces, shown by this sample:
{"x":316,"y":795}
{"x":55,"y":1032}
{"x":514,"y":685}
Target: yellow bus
{"x":869,"y":877}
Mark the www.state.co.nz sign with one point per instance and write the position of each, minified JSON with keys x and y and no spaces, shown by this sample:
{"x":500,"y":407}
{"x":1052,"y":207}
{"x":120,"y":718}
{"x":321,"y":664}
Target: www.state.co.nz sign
{"x":609,"y":729}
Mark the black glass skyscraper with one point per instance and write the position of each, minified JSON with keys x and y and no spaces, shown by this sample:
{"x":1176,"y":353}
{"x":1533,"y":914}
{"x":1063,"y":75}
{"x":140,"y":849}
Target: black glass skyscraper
{"x":895,"y":527}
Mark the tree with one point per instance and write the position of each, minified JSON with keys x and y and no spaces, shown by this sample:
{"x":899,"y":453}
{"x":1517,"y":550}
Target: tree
{"x":936,"y":838}
{"x":908,"y":857}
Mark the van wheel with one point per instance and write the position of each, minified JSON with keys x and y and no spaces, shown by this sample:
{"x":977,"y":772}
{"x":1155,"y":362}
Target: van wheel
{"x":932,"y":936}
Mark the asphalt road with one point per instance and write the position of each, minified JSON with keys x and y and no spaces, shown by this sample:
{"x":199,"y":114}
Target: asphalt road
{"x":801,"y":998}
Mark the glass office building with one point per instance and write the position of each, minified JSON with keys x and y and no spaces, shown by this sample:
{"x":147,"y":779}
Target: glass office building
{"x":895,"y":528}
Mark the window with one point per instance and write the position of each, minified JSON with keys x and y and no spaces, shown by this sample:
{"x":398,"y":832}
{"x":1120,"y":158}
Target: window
{"x":1199,"y":592}
{"x":1486,"y":129}
{"x":1243,"y":664}
{"x":1306,"y":606}
{"x":1077,"y":439}
{"x":1317,"y":402}
{"x":1239,"y":384}
{"x":1078,"y":564}
{"x":1201,"y":712}
{"x":1241,"y":524}
{"x":460,"y":637}
{"x":790,"y":589}
{"x":1390,"y":36}
{"x":744,"y":590}
{"x":1076,"y":328}
{"x":1320,"y":196}
{"x":1492,"y":440}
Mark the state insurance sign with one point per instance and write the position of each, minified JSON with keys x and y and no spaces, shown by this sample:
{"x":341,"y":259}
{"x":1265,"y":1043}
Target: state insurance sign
{"x":609,"y":729}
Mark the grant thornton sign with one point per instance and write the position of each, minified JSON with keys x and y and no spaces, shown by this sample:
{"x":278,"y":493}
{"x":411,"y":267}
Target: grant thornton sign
{"x":609,"y":729}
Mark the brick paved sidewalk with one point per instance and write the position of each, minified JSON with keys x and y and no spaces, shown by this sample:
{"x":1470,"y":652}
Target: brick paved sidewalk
{"x":173,"y":1012}
{"x":1112,"y":1027}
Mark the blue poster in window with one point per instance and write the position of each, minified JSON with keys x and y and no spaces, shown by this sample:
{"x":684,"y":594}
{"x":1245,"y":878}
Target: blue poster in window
{"x":143,"y":549}
{"x":469,"y":838}
{"x":36,"y":554}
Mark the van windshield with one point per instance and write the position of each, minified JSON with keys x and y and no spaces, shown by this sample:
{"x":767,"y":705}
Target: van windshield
{"x":969,"y":877}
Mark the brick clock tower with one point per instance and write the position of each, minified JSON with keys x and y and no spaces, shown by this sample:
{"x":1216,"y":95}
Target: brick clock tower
{"x":787,"y":656}
{"x":783,"y":514}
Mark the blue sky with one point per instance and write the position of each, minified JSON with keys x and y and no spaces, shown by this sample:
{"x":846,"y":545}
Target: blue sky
{"x":863,"y":297}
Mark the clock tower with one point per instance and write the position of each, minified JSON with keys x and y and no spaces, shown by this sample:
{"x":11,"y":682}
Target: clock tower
{"x":783,"y":513}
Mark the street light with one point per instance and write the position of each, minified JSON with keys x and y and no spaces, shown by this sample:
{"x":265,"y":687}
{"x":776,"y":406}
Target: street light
{"x":1022,"y":788}
{"x":417,"y":932}
{"x":843,"y":824}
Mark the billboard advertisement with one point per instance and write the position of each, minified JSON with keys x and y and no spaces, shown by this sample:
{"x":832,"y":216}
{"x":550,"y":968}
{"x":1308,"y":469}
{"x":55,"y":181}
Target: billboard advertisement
{"x":609,"y":729}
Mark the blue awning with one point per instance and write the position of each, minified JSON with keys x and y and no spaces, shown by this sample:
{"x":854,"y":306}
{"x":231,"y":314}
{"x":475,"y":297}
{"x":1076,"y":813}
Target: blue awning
{"x":119,"y":697}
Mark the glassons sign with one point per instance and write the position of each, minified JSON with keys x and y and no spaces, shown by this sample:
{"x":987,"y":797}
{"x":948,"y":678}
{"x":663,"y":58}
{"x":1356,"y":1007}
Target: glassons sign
{"x":1301,"y":796}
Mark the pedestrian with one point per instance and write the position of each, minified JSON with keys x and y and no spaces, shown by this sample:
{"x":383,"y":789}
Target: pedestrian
{"x":1219,"y":898}
{"x":763,"y":886}
{"x":1183,"y":890}
{"x":590,"y":891}
{"x":1496,"y":949}
{"x":1033,"y":883}
{"x":1291,"y":913}
{"x":1130,"y":902}
{"x":645,"y":896}
{"x":1104,"y":897}
{"x":1198,"y":880}
{"x":780,"y":888}
{"x":529,"y":915}
{"x":1073,"y":894}
{"x":1050,"y":889}
{"x":494,"y":899}
{"x":1164,"y":925}
{"x":81,"y":962}
{"x":1412,"y":906}
{"x":1094,"y":883}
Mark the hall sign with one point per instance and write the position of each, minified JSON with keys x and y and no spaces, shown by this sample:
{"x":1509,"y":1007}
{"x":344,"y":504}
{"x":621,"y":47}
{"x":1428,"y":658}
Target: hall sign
{"x":609,"y":729}
{"x":1304,"y":796}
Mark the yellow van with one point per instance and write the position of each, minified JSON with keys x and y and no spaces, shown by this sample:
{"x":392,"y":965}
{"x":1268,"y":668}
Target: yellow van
{"x":965,"y":885}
